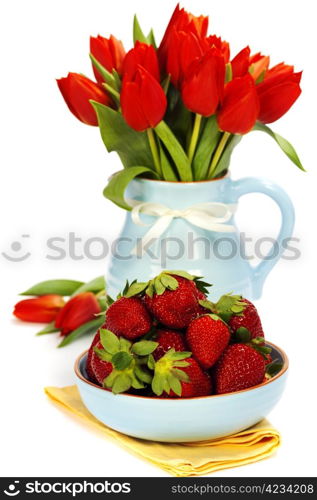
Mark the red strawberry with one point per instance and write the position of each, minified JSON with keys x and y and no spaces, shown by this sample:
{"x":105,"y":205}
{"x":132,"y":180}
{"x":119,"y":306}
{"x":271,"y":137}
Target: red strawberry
{"x":239,"y":313}
{"x":128,"y":317}
{"x":207,"y":337}
{"x":249,"y":319}
{"x":199,"y":381}
{"x":239,"y":367}
{"x":89,"y":369}
{"x":101,"y":369}
{"x":175,"y":308}
{"x":168,"y":339}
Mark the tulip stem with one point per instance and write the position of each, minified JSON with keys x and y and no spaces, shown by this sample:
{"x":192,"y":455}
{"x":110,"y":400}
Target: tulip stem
{"x":216,"y":157}
{"x":194,"y":137}
{"x":154,"y":151}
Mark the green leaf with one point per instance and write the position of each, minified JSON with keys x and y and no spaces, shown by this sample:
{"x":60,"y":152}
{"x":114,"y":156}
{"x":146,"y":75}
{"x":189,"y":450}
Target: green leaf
{"x":264,"y":350}
{"x":138,"y":34}
{"x":207,"y":305}
{"x":109,"y":341}
{"x":136,"y":383}
{"x":135,"y":289}
{"x":113,"y":93}
{"x":117,"y":79}
{"x":102,"y":354}
{"x":177,"y":116}
{"x":144,"y":347}
{"x":143,"y":375}
{"x":132,"y":146}
{"x":179,"y":355}
{"x":206,"y":146}
{"x":243,"y":334}
{"x":175,"y":385}
{"x":94,"y":286}
{"x":85,"y":329}
{"x":158,"y":384}
{"x":182,"y":274}
{"x":285,"y":146}
{"x":58,"y":287}
{"x":180,"y":374}
{"x":125,"y":344}
{"x":225,"y":158}
{"x":175,"y":150}
{"x":158,"y":285}
{"x":167,"y":169}
{"x":106,"y":75}
{"x":121,"y":360}
{"x":122,"y":383}
{"x":50,"y":328}
{"x":273,"y":368}
{"x":151,"y":38}
{"x":151,"y":362}
{"x":169,"y":282}
{"x":118,"y":183}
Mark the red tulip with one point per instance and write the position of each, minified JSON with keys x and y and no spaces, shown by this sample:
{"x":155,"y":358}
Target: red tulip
{"x":141,"y":55}
{"x":109,"y":52}
{"x":77,"y":90}
{"x":184,"y":49}
{"x":143,"y":101}
{"x":244,"y":63}
{"x":258,"y":65}
{"x":78,"y":310}
{"x":240,"y":106}
{"x":181,"y":21}
{"x":278,"y":92}
{"x":203,"y":86}
{"x":222,"y":45}
{"x":42,"y":309}
{"x":241,"y":62}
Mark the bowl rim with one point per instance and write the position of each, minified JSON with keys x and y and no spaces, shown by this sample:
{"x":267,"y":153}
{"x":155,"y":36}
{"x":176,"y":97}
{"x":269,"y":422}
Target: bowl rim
{"x":278,"y":375}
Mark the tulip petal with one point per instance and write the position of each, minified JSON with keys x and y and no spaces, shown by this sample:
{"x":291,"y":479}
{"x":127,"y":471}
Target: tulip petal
{"x":77,"y":91}
{"x":240,"y":63}
{"x":240,"y":106}
{"x":202,"y":88}
{"x":42,"y":309}
{"x":132,"y":108}
{"x":276,"y":101}
{"x":153,"y":100}
{"x":78,"y":310}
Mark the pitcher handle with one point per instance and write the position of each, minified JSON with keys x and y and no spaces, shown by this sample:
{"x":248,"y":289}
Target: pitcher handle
{"x":249,"y":185}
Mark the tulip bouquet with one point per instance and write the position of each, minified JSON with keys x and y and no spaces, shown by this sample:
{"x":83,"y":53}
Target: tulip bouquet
{"x":83,"y":313}
{"x":176,"y":112}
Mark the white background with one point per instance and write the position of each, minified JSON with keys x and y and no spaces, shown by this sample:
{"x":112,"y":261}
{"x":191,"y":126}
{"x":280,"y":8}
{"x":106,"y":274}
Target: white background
{"x":53,"y":170}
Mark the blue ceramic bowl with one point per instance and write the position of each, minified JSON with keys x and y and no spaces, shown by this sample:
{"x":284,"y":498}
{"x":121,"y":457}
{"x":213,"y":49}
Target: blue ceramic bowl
{"x":182,"y":420}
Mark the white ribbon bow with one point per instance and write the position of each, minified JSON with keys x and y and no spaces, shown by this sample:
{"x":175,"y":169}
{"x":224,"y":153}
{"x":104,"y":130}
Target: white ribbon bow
{"x":211,"y":216}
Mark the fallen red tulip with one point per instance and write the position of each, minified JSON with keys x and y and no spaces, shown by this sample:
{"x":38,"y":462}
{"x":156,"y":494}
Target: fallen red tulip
{"x":42,"y":309}
{"x":78,"y":310}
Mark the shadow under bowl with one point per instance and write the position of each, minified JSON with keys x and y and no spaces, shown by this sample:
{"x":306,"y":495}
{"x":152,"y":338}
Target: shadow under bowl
{"x":182,"y":420}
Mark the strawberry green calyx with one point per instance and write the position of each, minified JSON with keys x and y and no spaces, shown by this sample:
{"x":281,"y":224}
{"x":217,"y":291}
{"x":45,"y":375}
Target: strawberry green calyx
{"x":243,"y":336}
{"x":164,"y":281}
{"x":129,"y":361}
{"x":229,"y":305}
{"x":273,"y":369}
{"x":167,"y":373}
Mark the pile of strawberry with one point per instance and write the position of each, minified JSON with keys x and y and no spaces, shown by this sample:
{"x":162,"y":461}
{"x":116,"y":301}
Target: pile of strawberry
{"x":164,"y":338}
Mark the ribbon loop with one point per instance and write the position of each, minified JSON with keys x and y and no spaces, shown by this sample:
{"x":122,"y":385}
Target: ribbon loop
{"x":211,"y":216}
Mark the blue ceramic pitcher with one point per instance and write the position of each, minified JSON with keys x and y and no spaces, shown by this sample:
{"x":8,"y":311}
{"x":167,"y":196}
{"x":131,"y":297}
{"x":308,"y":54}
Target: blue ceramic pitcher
{"x":186,"y":242}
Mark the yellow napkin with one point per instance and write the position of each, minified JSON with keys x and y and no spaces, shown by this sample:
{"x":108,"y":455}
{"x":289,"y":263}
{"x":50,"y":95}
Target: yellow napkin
{"x":182,"y":459}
